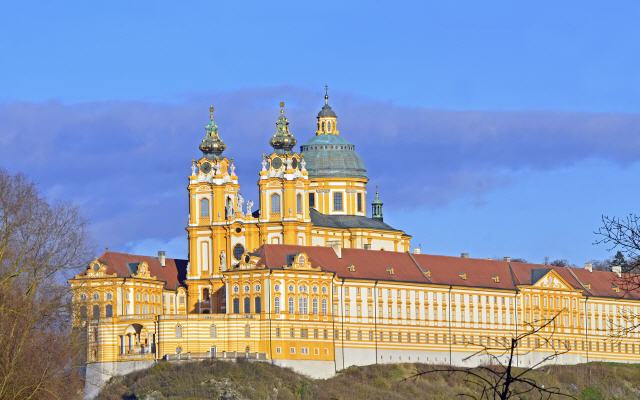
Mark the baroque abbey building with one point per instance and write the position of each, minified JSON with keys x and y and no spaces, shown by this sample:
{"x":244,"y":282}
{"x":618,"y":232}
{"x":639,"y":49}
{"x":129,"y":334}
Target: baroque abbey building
{"x":308,"y":280}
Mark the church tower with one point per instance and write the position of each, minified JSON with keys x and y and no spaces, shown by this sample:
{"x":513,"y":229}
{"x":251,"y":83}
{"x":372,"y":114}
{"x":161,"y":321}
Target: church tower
{"x":283,"y":184}
{"x":214,"y":203}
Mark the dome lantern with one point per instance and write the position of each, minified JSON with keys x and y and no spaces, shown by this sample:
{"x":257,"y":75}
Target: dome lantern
{"x":376,"y":207}
{"x":327,"y":118}
{"x":282,"y":140}
{"x":212,"y":146}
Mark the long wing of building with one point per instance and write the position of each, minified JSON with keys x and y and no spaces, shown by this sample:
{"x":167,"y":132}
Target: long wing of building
{"x":309,"y":280}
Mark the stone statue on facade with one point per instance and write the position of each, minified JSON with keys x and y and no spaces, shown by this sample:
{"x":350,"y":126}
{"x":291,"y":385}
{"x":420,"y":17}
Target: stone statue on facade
{"x":232,"y":168}
{"x":193,"y":167}
{"x":264,"y":164}
{"x":249,"y":207}
{"x":229,"y":208}
{"x":223,"y":261}
{"x":240,"y":202}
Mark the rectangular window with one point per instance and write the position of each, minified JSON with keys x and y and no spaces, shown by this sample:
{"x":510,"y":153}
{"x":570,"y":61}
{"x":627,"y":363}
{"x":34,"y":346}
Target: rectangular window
{"x":337,"y":201}
{"x":277,"y":332}
{"x":278,"y":350}
{"x":359,"y":197}
{"x":312,"y":200}
{"x":299,"y":204}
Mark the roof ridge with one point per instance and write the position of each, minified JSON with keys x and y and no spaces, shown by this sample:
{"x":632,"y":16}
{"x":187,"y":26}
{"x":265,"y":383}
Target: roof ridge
{"x":422,"y":271}
{"x":579,"y":281}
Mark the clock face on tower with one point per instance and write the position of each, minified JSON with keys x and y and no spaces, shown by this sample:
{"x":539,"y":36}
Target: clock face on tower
{"x":205,"y":167}
{"x":276,"y":163}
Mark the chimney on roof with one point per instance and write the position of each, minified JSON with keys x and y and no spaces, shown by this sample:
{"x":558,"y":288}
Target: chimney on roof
{"x":337,"y":247}
{"x":507,"y":259}
{"x":417,"y":250}
{"x":617,"y":270}
{"x":588,"y":267}
{"x":464,"y":255}
{"x":162,"y":257}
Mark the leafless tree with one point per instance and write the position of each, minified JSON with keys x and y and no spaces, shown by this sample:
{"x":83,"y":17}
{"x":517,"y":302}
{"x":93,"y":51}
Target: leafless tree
{"x":622,"y":234}
{"x":39,"y":244}
{"x":500,"y":378}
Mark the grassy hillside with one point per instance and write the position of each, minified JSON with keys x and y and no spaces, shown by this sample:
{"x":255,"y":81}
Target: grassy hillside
{"x":245,"y":380}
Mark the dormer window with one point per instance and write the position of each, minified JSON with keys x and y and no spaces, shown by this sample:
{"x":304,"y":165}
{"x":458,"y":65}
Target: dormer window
{"x":351,"y":268}
{"x":463,"y":276}
{"x":496,"y":279}
{"x":390,"y":271}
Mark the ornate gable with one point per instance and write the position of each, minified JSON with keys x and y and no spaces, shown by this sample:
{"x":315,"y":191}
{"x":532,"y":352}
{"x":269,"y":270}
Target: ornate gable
{"x":301,"y":261}
{"x":249,"y":261}
{"x":552,"y":280}
{"x":143,"y":271}
{"x":96,"y":269}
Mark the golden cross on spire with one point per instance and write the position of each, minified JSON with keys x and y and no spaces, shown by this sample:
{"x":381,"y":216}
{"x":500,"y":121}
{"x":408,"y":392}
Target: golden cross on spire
{"x":211,"y":113}
{"x":282,"y":107}
{"x":326,"y":94}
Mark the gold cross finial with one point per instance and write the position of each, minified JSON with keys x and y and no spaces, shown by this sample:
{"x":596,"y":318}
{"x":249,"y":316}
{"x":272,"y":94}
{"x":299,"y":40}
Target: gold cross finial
{"x":326,"y":94}
{"x":282,"y":107}
{"x":211,"y":112}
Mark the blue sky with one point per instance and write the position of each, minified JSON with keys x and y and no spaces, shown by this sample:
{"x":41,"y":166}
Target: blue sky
{"x":513,"y":126}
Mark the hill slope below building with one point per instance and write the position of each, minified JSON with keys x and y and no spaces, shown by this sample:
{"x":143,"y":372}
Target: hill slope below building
{"x":253,"y":380}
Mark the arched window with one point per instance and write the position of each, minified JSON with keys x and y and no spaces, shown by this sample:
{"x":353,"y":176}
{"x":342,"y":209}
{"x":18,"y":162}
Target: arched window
{"x":213,"y":331}
{"x":314,"y":306}
{"x":324,"y":306}
{"x":205,"y":294}
{"x":236,"y":306}
{"x":329,"y":126}
{"x":247,"y":330}
{"x":299,"y":203}
{"x":96,"y":311}
{"x":312,"y":200}
{"x":257,"y":305}
{"x":178,"y":331}
{"x":247,"y":305}
{"x":108,"y":311}
{"x":291,"y":310}
{"x":204,"y":207}
{"x":276,"y":305}
{"x":322,"y":126}
{"x":83,"y":312}
{"x":275,"y":203}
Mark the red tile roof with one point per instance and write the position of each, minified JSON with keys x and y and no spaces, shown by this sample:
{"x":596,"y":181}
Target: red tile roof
{"x":441,"y":270}
{"x":173,"y":273}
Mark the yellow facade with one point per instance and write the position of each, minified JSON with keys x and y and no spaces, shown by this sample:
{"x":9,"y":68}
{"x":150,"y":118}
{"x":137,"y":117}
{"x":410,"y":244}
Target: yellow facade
{"x":227,"y":300}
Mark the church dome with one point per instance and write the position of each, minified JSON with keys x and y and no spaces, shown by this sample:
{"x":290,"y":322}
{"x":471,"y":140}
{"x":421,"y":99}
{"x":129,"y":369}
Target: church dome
{"x":332,"y":156}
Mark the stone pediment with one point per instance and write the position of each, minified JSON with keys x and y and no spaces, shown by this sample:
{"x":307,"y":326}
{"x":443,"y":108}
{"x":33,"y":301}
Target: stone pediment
{"x":549,"y":280}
